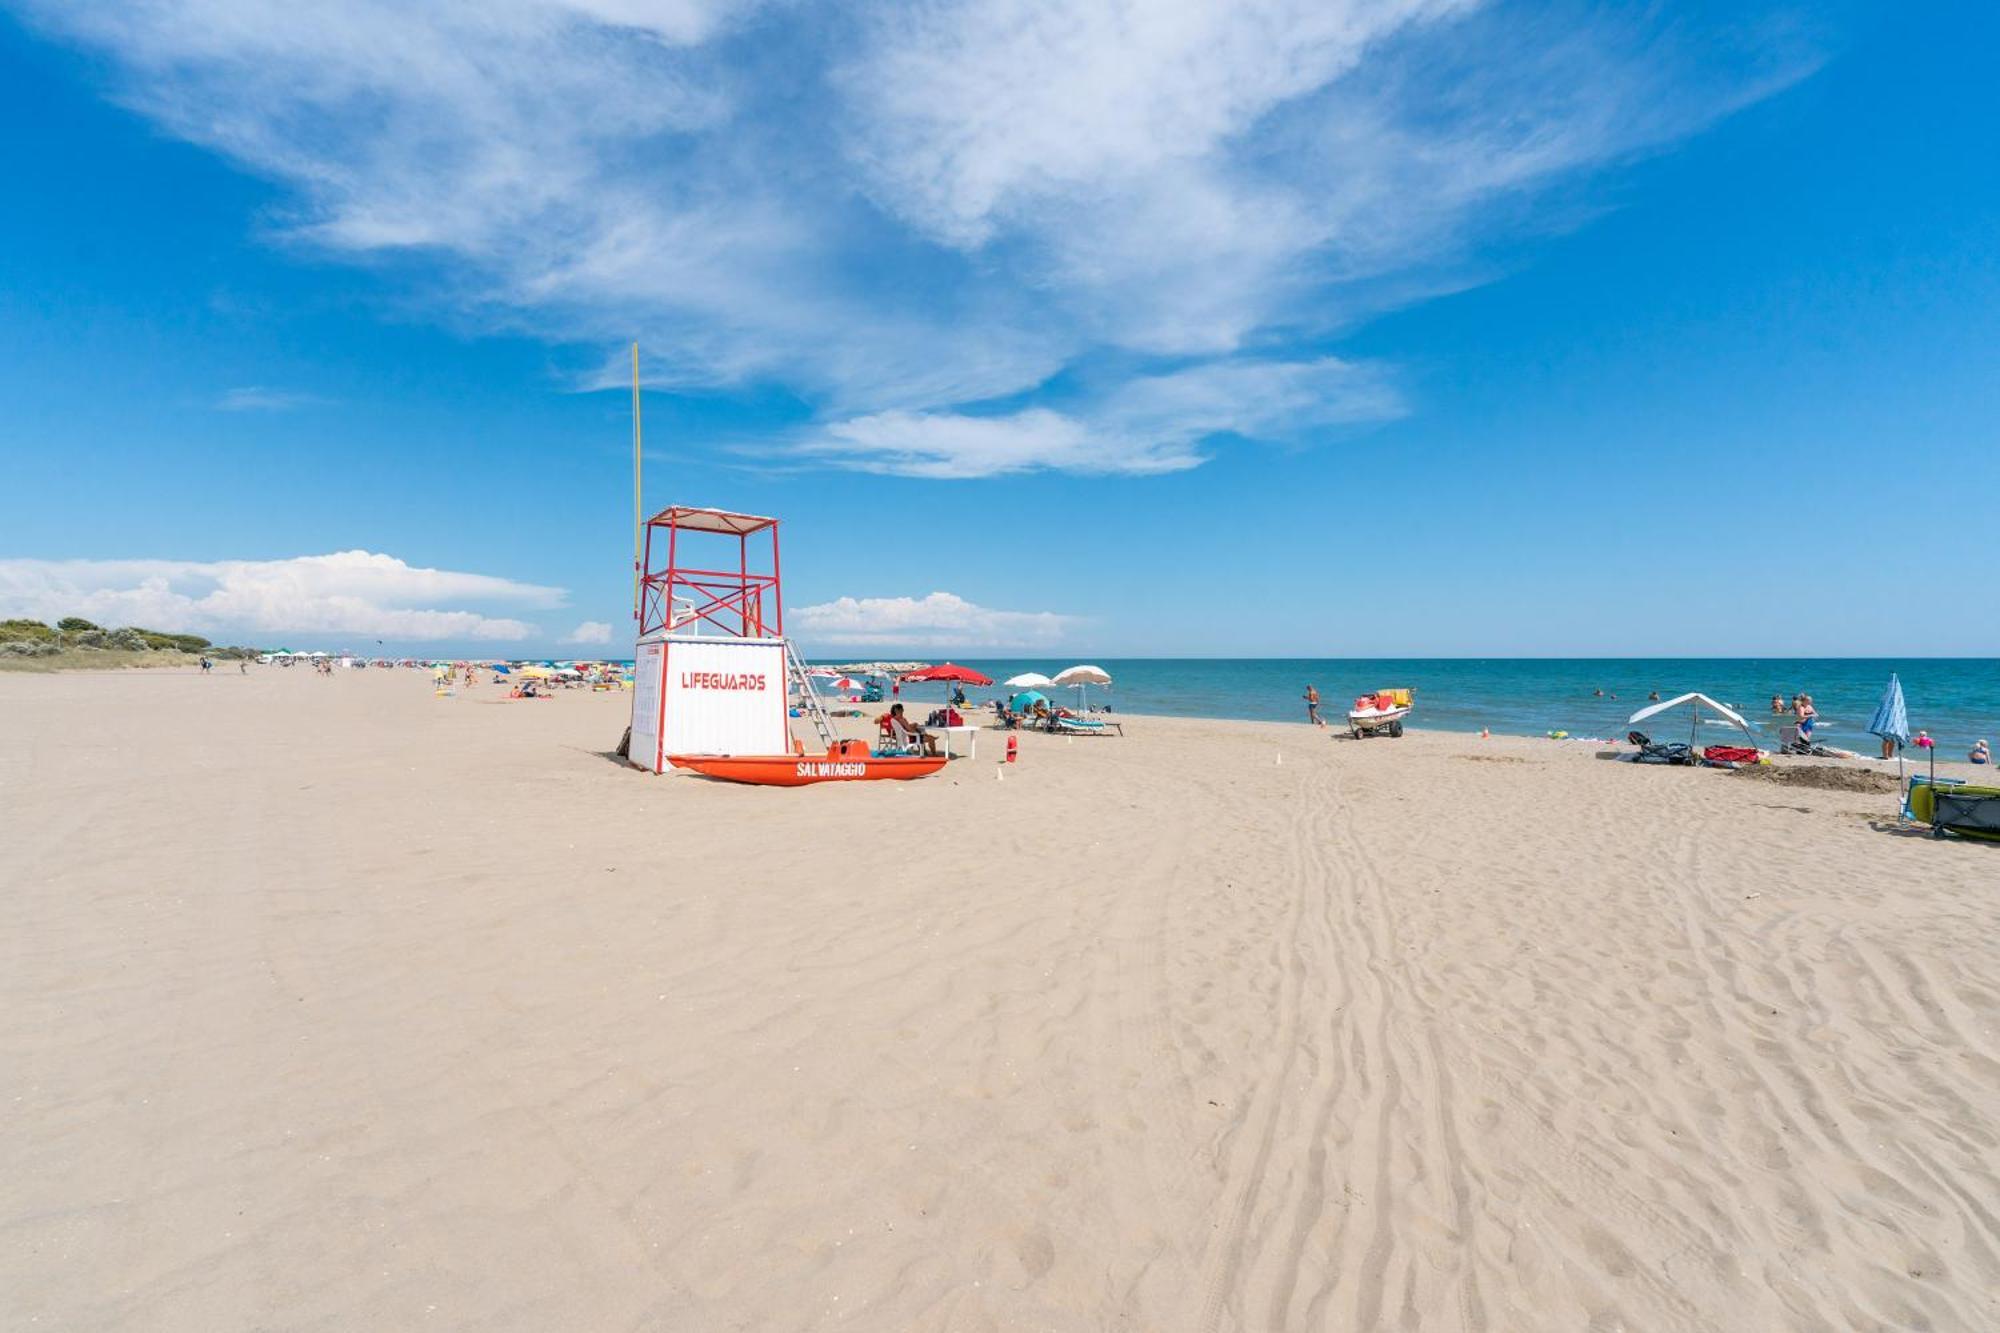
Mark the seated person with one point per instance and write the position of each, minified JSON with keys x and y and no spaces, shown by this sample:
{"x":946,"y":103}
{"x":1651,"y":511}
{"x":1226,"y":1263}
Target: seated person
{"x":906,"y":733}
{"x":1980,"y":754}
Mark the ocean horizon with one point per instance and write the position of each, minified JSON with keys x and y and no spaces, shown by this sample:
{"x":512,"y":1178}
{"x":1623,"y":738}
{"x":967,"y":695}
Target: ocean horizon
{"x":1956,"y":700}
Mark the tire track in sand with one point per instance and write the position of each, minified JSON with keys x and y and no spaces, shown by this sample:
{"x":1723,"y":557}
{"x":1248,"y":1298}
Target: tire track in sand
{"x":1222,"y":1271}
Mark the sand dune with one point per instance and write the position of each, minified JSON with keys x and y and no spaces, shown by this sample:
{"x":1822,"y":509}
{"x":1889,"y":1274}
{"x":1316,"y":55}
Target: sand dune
{"x":328,"y":1004}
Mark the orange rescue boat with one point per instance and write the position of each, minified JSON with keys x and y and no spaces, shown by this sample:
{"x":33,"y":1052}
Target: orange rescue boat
{"x":844,"y":761}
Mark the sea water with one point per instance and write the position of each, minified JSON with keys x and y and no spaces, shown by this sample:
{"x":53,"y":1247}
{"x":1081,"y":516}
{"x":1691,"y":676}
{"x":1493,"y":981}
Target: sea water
{"x":1955,"y":699}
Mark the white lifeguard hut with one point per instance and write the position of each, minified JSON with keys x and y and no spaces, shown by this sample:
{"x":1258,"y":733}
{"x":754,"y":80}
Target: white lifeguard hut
{"x":712,"y":671}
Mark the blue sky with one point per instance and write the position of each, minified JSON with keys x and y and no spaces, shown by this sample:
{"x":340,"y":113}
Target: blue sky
{"x":1318,"y":328}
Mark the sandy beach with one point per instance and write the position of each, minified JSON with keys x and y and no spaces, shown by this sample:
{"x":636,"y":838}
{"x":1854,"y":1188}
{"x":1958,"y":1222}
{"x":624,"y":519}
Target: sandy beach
{"x":328,"y":1004}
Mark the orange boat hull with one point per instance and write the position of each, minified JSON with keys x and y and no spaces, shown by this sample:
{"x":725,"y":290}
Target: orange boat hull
{"x":803,"y":770}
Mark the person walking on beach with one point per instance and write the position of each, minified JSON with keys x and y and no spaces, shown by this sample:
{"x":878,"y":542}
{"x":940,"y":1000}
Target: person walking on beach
{"x":1312,"y":707}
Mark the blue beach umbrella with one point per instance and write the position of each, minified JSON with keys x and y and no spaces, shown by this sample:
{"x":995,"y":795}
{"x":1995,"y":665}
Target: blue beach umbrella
{"x":1892,"y":720}
{"x":1026,"y":700}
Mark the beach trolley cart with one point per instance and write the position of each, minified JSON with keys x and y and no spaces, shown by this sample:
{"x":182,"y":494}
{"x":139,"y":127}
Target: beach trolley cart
{"x":1950,"y":806}
{"x":1379,"y":714}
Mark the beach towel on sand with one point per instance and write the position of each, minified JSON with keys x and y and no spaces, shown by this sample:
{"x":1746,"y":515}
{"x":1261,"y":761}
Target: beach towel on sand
{"x":1730,"y":754}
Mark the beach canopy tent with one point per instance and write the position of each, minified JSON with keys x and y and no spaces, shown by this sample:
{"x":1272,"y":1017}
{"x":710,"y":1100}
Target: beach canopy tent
{"x":1026,"y":700}
{"x":1696,"y":704}
{"x":1028,"y":680}
{"x":1081,"y":676}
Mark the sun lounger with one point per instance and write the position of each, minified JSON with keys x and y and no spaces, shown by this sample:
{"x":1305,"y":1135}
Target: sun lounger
{"x":1084,"y":726}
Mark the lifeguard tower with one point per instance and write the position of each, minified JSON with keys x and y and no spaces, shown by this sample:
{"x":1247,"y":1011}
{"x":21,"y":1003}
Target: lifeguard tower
{"x":713,"y":673}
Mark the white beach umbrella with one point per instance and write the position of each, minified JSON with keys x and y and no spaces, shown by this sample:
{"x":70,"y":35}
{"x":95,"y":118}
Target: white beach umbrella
{"x":1081,"y":676}
{"x":1028,"y":680}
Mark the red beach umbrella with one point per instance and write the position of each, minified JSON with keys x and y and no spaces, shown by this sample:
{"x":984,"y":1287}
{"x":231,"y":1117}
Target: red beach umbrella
{"x":950,"y":671}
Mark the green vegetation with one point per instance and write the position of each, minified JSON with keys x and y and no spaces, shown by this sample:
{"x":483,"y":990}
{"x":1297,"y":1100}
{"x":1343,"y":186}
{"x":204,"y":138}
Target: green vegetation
{"x":25,"y":631}
{"x":75,"y":642}
{"x":187,"y":643}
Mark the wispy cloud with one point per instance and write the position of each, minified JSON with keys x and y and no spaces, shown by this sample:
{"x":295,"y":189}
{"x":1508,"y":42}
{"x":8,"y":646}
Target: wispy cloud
{"x":912,"y":212}
{"x":940,"y":620}
{"x":348,"y":592}
{"x":1154,"y":423}
{"x":256,"y":398}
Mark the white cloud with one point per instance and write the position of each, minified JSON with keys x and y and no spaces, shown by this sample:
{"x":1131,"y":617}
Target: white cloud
{"x":256,"y":398}
{"x":590,"y":631}
{"x":940,"y":620}
{"x":1152,"y":424}
{"x":348,"y":592}
{"x":908,"y":211}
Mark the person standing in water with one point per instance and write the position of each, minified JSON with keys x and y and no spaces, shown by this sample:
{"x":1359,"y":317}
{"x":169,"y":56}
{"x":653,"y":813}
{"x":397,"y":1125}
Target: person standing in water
{"x":1312,"y":707}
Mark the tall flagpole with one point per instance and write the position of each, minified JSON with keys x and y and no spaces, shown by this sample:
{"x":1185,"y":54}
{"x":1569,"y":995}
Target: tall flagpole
{"x":638,"y":509}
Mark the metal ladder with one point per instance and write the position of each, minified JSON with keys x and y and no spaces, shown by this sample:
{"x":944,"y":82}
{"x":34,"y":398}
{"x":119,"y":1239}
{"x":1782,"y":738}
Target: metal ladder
{"x":809,"y":697}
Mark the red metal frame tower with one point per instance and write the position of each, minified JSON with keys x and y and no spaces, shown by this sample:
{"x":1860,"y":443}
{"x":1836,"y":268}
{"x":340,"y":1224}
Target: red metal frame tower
{"x":743,"y":603}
